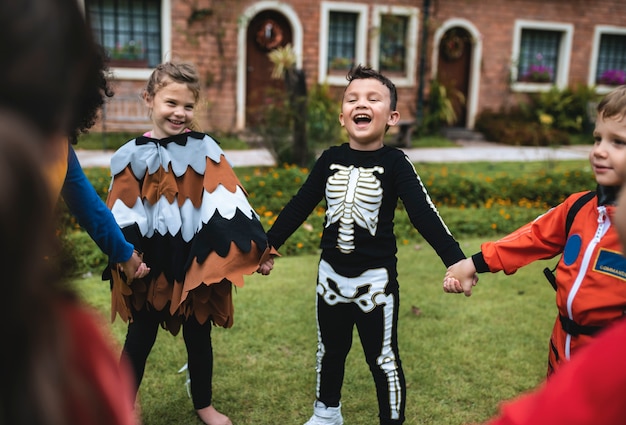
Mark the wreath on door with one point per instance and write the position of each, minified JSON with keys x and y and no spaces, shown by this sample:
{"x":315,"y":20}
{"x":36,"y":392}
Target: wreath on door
{"x":453,"y":46}
{"x":269,"y":35}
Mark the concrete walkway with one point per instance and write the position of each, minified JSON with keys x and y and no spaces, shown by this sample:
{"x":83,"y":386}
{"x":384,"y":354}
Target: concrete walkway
{"x":466,"y":151}
{"x":472,"y":151}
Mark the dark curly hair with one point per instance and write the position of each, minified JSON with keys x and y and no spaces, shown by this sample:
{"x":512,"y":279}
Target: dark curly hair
{"x":363,"y":72}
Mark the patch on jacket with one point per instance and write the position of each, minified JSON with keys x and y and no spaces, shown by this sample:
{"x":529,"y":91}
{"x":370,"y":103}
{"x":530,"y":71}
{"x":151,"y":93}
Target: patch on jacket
{"x":611,"y":263}
{"x":572,"y":249}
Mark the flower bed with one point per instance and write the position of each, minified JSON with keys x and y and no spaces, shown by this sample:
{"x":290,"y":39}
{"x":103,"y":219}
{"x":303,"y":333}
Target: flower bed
{"x":471,"y":204}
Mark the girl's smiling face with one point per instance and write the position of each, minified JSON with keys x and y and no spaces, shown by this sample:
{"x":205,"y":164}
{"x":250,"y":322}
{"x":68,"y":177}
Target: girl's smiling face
{"x":608,"y":155}
{"x":171,"y":109}
{"x":366,"y":113}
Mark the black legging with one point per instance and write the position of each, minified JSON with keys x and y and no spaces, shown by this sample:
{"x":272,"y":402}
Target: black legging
{"x":140,"y":338}
{"x":336,"y":324}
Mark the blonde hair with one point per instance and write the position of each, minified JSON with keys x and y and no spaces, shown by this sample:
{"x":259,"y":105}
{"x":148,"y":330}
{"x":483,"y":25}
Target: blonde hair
{"x":177,"y":72}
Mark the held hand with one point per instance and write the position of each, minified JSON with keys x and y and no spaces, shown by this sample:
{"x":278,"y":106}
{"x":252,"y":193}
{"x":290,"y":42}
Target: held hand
{"x":461,"y":277}
{"x":134,"y":267}
{"x":266,"y":267}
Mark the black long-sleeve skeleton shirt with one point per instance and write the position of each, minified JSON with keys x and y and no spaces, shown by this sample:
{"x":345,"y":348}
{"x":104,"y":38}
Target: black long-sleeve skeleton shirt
{"x":361,"y":190}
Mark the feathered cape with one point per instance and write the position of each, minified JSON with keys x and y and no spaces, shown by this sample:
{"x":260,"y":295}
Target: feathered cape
{"x":179,"y":201}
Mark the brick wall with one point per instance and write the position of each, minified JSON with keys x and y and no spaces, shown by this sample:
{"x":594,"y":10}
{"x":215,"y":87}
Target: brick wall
{"x":211,"y":43}
{"x":495,"y":20}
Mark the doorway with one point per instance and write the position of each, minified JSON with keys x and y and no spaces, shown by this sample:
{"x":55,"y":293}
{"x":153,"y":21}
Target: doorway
{"x":455,"y":56}
{"x":267,"y":31}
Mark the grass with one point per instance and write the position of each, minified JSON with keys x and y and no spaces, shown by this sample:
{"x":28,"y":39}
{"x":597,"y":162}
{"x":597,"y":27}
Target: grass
{"x":461,"y":356}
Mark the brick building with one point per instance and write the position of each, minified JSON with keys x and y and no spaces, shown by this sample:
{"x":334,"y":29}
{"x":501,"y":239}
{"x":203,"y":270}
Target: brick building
{"x":491,"y":51}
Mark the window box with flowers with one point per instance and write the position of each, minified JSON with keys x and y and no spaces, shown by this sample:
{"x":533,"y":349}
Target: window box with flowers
{"x":341,"y":63}
{"x":613,"y":77}
{"x":537,"y":74}
{"x":128,"y":55}
{"x":537,"y":71}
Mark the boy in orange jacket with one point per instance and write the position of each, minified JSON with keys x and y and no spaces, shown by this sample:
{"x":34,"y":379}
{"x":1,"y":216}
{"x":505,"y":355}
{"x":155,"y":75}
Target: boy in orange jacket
{"x":591,"y":273}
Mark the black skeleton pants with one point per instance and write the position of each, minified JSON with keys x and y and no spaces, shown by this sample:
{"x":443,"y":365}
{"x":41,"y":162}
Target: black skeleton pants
{"x":377,"y":328}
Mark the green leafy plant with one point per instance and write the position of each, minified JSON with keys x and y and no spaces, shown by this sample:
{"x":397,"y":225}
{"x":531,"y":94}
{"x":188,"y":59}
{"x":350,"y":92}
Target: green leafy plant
{"x":543,"y":119}
{"x":563,"y":109}
{"x":284,"y":61}
{"x":440,"y":107}
{"x":323,"y":110}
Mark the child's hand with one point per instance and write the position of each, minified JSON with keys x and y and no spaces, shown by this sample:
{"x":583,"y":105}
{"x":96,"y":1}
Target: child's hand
{"x":134,"y":267}
{"x":467,"y":277}
{"x":266,"y":267}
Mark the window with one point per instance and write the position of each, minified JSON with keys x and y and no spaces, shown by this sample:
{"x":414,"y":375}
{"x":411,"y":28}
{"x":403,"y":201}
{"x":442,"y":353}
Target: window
{"x":130,"y":30}
{"x":394,"y":43}
{"x":538,"y":57}
{"x":343,"y":39}
{"x":608,"y":63}
{"x":541,"y":53}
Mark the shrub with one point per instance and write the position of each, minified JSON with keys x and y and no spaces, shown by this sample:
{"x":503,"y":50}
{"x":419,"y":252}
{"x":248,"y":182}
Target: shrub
{"x":279,"y":113}
{"x":515,"y":127}
{"x":545,"y":119}
{"x":322,"y":116}
{"x":472,"y":204}
{"x":440,"y":110}
{"x":564,"y":109}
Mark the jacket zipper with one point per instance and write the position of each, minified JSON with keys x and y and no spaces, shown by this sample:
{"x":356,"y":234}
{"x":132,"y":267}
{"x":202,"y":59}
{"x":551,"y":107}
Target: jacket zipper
{"x":603,"y":226}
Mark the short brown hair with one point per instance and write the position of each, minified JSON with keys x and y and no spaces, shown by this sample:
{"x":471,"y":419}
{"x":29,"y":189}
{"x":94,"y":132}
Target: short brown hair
{"x":613,"y":105}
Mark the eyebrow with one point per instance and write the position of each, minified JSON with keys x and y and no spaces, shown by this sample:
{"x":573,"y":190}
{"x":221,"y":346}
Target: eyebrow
{"x":369,"y":93}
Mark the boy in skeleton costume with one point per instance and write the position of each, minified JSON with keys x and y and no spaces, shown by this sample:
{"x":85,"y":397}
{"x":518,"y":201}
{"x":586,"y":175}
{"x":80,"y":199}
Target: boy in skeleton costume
{"x":361,"y":182}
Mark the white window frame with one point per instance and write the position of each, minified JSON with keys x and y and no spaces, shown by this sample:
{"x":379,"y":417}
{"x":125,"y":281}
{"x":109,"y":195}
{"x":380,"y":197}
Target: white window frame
{"x":412,"y":13}
{"x":565,"y":52}
{"x":599,"y":30}
{"x":360,"y":41}
{"x":143,"y":74}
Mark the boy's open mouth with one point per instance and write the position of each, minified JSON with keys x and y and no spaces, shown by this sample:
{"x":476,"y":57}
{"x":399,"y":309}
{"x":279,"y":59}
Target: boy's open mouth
{"x":362,"y":119}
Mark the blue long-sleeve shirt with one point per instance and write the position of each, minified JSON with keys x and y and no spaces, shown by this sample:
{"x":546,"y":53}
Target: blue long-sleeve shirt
{"x":92,"y":213}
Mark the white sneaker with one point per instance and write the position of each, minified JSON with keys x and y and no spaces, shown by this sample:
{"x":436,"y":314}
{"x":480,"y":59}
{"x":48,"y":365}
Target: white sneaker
{"x":323,"y":415}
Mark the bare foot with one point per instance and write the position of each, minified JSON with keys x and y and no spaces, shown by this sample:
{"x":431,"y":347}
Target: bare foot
{"x":210,"y":416}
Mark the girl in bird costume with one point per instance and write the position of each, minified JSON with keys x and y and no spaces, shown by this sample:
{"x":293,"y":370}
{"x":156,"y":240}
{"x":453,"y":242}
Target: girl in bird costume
{"x":177,"y":199}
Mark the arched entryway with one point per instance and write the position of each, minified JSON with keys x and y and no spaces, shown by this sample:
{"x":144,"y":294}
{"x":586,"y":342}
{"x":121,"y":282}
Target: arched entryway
{"x":453,"y":72}
{"x":268,"y":30}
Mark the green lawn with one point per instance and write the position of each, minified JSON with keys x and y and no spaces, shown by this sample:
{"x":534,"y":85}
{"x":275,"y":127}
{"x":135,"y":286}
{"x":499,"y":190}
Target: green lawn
{"x":461,"y":356}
